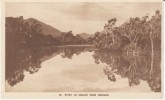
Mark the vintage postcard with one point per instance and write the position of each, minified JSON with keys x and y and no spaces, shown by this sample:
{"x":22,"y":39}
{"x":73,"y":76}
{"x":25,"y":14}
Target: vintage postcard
{"x":92,"y":49}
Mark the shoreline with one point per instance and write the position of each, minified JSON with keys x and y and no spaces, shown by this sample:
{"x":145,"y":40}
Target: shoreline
{"x":75,"y":46}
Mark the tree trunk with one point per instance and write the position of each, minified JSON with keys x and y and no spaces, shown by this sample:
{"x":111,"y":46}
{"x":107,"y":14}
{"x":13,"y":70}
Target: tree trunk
{"x":152,"y":53}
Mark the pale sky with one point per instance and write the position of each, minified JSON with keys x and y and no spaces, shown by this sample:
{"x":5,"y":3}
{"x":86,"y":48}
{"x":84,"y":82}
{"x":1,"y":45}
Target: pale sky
{"x":80,"y":17}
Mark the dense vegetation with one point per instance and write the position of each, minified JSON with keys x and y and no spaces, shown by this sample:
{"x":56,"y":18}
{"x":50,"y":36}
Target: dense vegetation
{"x":138,"y":33}
{"x":138,"y":39}
{"x":137,"y":46}
{"x":22,"y":32}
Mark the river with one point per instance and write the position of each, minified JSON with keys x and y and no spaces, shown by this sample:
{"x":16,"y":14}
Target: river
{"x":79,"y":69}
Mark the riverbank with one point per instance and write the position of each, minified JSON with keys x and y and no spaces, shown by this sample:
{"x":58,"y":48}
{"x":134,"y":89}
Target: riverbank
{"x":75,"y":46}
{"x":87,"y":47}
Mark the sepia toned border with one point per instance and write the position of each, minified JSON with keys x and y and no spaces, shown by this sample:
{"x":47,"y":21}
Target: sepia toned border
{"x":51,"y":95}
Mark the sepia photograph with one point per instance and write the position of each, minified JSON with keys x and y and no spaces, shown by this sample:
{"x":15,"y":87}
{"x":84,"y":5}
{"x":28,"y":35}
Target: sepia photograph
{"x":87,"y":47}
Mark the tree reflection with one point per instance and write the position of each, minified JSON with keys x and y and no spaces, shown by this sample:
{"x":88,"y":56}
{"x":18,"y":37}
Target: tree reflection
{"x":21,"y":59}
{"x":133,"y":67}
{"x":68,"y":52}
{"x":110,"y":74}
{"x":24,"y":59}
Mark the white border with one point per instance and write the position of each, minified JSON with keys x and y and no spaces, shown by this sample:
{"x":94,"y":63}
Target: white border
{"x":52,"y":95}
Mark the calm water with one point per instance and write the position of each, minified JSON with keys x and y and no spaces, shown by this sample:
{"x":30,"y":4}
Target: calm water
{"x":69,"y":69}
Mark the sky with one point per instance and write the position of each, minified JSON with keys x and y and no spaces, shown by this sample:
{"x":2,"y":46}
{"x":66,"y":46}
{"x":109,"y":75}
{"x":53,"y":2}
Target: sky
{"x":80,"y":17}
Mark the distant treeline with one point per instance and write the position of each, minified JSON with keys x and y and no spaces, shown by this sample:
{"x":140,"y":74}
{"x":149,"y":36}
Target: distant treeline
{"x":21,"y":32}
{"x":140,"y":33}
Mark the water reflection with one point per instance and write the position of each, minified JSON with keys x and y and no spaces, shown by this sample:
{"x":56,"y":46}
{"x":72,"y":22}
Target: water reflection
{"x":68,"y":52}
{"x":135,"y":68}
{"x":20,"y":59}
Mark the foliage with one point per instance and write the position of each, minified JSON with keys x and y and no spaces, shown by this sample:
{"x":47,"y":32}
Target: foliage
{"x":138,"y":42}
{"x":137,"y":31}
{"x":19,"y":31}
